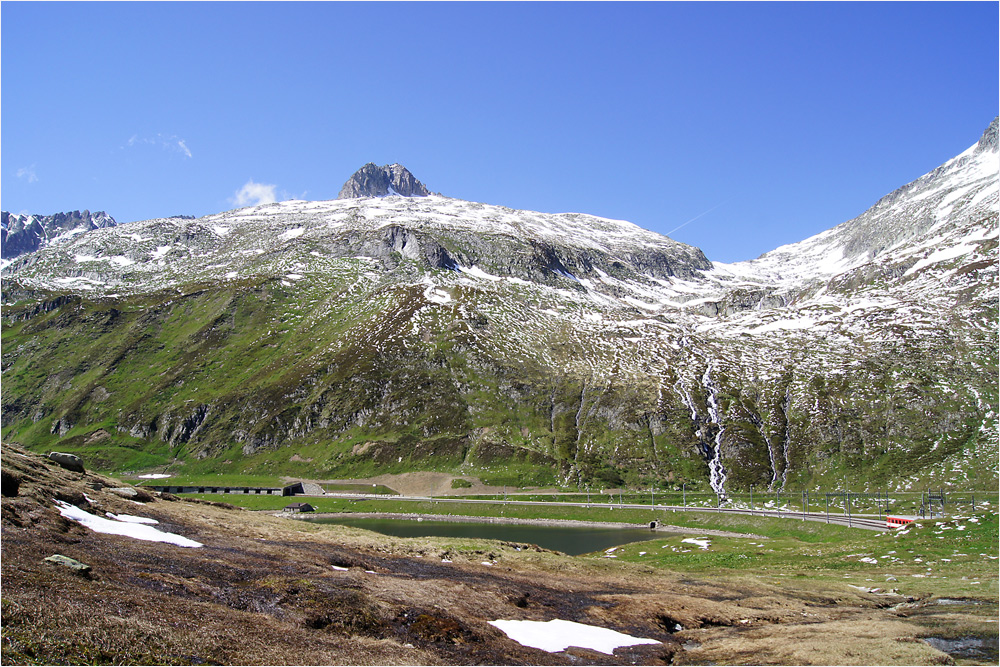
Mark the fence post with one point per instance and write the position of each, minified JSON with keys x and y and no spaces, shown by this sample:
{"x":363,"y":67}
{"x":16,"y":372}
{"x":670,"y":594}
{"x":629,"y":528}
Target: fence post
{"x":828,"y":508}
{"x":684,"y":491}
{"x":751,"y":500}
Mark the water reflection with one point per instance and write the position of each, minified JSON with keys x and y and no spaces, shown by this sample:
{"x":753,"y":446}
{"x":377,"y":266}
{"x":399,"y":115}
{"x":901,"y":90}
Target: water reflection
{"x":570,"y":540}
{"x":967,"y":648}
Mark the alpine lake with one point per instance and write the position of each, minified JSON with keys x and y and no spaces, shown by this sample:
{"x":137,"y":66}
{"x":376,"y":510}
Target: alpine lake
{"x":570,"y":540}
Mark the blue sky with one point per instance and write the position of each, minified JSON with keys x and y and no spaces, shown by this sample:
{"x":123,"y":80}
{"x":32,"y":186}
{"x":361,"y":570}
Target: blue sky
{"x":738,"y":127}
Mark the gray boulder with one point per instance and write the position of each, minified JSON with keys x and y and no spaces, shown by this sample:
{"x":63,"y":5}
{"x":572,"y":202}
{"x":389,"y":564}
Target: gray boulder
{"x":68,"y":461}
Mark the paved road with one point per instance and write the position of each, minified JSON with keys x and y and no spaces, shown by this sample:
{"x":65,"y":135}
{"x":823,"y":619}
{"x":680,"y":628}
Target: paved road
{"x":868,"y":522}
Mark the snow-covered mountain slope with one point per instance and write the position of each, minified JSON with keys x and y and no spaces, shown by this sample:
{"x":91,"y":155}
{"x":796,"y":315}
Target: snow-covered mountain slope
{"x":300,"y":237}
{"x":23,"y":233}
{"x":438,"y":327}
{"x":941,"y":212}
{"x":953,"y":195}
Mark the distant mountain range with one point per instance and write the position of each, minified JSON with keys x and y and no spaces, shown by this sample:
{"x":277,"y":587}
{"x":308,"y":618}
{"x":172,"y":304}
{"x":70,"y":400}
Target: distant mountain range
{"x":21,"y":233}
{"x":393,"y":329}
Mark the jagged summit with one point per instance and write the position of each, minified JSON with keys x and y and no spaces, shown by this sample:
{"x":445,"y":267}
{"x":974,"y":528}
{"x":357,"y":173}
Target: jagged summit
{"x":374,"y":181}
{"x":988,"y":142}
{"x":23,"y":233}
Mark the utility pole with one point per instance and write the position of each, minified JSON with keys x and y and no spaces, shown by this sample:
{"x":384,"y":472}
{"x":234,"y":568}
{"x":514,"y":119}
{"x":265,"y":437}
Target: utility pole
{"x":828,"y":508}
{"x":685,"y":494}
{"x":751,"y":500}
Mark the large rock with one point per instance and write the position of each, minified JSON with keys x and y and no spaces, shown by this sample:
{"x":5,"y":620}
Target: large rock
{"x":132,"y":493}
{"x":68,"y":461}
{"x":76,"y":566}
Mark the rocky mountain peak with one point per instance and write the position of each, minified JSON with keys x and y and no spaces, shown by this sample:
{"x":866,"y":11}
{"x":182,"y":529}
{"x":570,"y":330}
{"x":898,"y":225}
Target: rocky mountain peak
{"x":374,"y":181}
{"x":988,"y":142}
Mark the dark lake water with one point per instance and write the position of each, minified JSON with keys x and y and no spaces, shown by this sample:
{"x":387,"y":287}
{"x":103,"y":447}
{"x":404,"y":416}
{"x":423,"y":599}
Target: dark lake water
{"x":569,"y":540}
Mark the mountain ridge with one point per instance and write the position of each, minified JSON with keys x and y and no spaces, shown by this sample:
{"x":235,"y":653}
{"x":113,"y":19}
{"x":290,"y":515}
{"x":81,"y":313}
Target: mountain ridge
{"x":23,"y":233}
{"x":392,"y":333}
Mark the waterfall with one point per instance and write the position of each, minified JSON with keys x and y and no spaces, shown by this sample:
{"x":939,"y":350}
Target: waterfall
{"x":717,"y":472}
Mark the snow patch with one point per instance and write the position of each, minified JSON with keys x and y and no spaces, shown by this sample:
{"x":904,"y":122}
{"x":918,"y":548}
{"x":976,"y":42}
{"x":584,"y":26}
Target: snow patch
{"x":128,"y":518}
{"x":476,"y":272}
{"x":558,"y":635}
{"x":136,"y":531}
{"x":702,"y":542}
{"x":435,"y":295}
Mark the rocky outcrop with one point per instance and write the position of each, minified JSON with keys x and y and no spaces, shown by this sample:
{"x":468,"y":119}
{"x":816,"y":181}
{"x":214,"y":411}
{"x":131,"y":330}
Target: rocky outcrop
{"x":988,"y":142}
{"x":374,"y":181}
{"x":21,"y":234}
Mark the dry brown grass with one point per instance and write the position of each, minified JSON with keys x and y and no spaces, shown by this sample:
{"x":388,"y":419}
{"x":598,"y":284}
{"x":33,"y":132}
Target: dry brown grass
{"x":860,"y":641}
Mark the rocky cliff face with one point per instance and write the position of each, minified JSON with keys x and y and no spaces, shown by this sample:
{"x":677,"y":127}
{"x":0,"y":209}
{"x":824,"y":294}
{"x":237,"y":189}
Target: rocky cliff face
{"x":394,"y":333}
{"x":374,"y":181}
{"x":21,"y":234}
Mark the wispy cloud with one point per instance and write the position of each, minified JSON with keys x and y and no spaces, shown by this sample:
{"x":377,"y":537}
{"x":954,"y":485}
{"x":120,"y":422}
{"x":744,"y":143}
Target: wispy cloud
{"x":170,"y":142}
{"x":28,"y":174}
{"x":252,"y":194}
